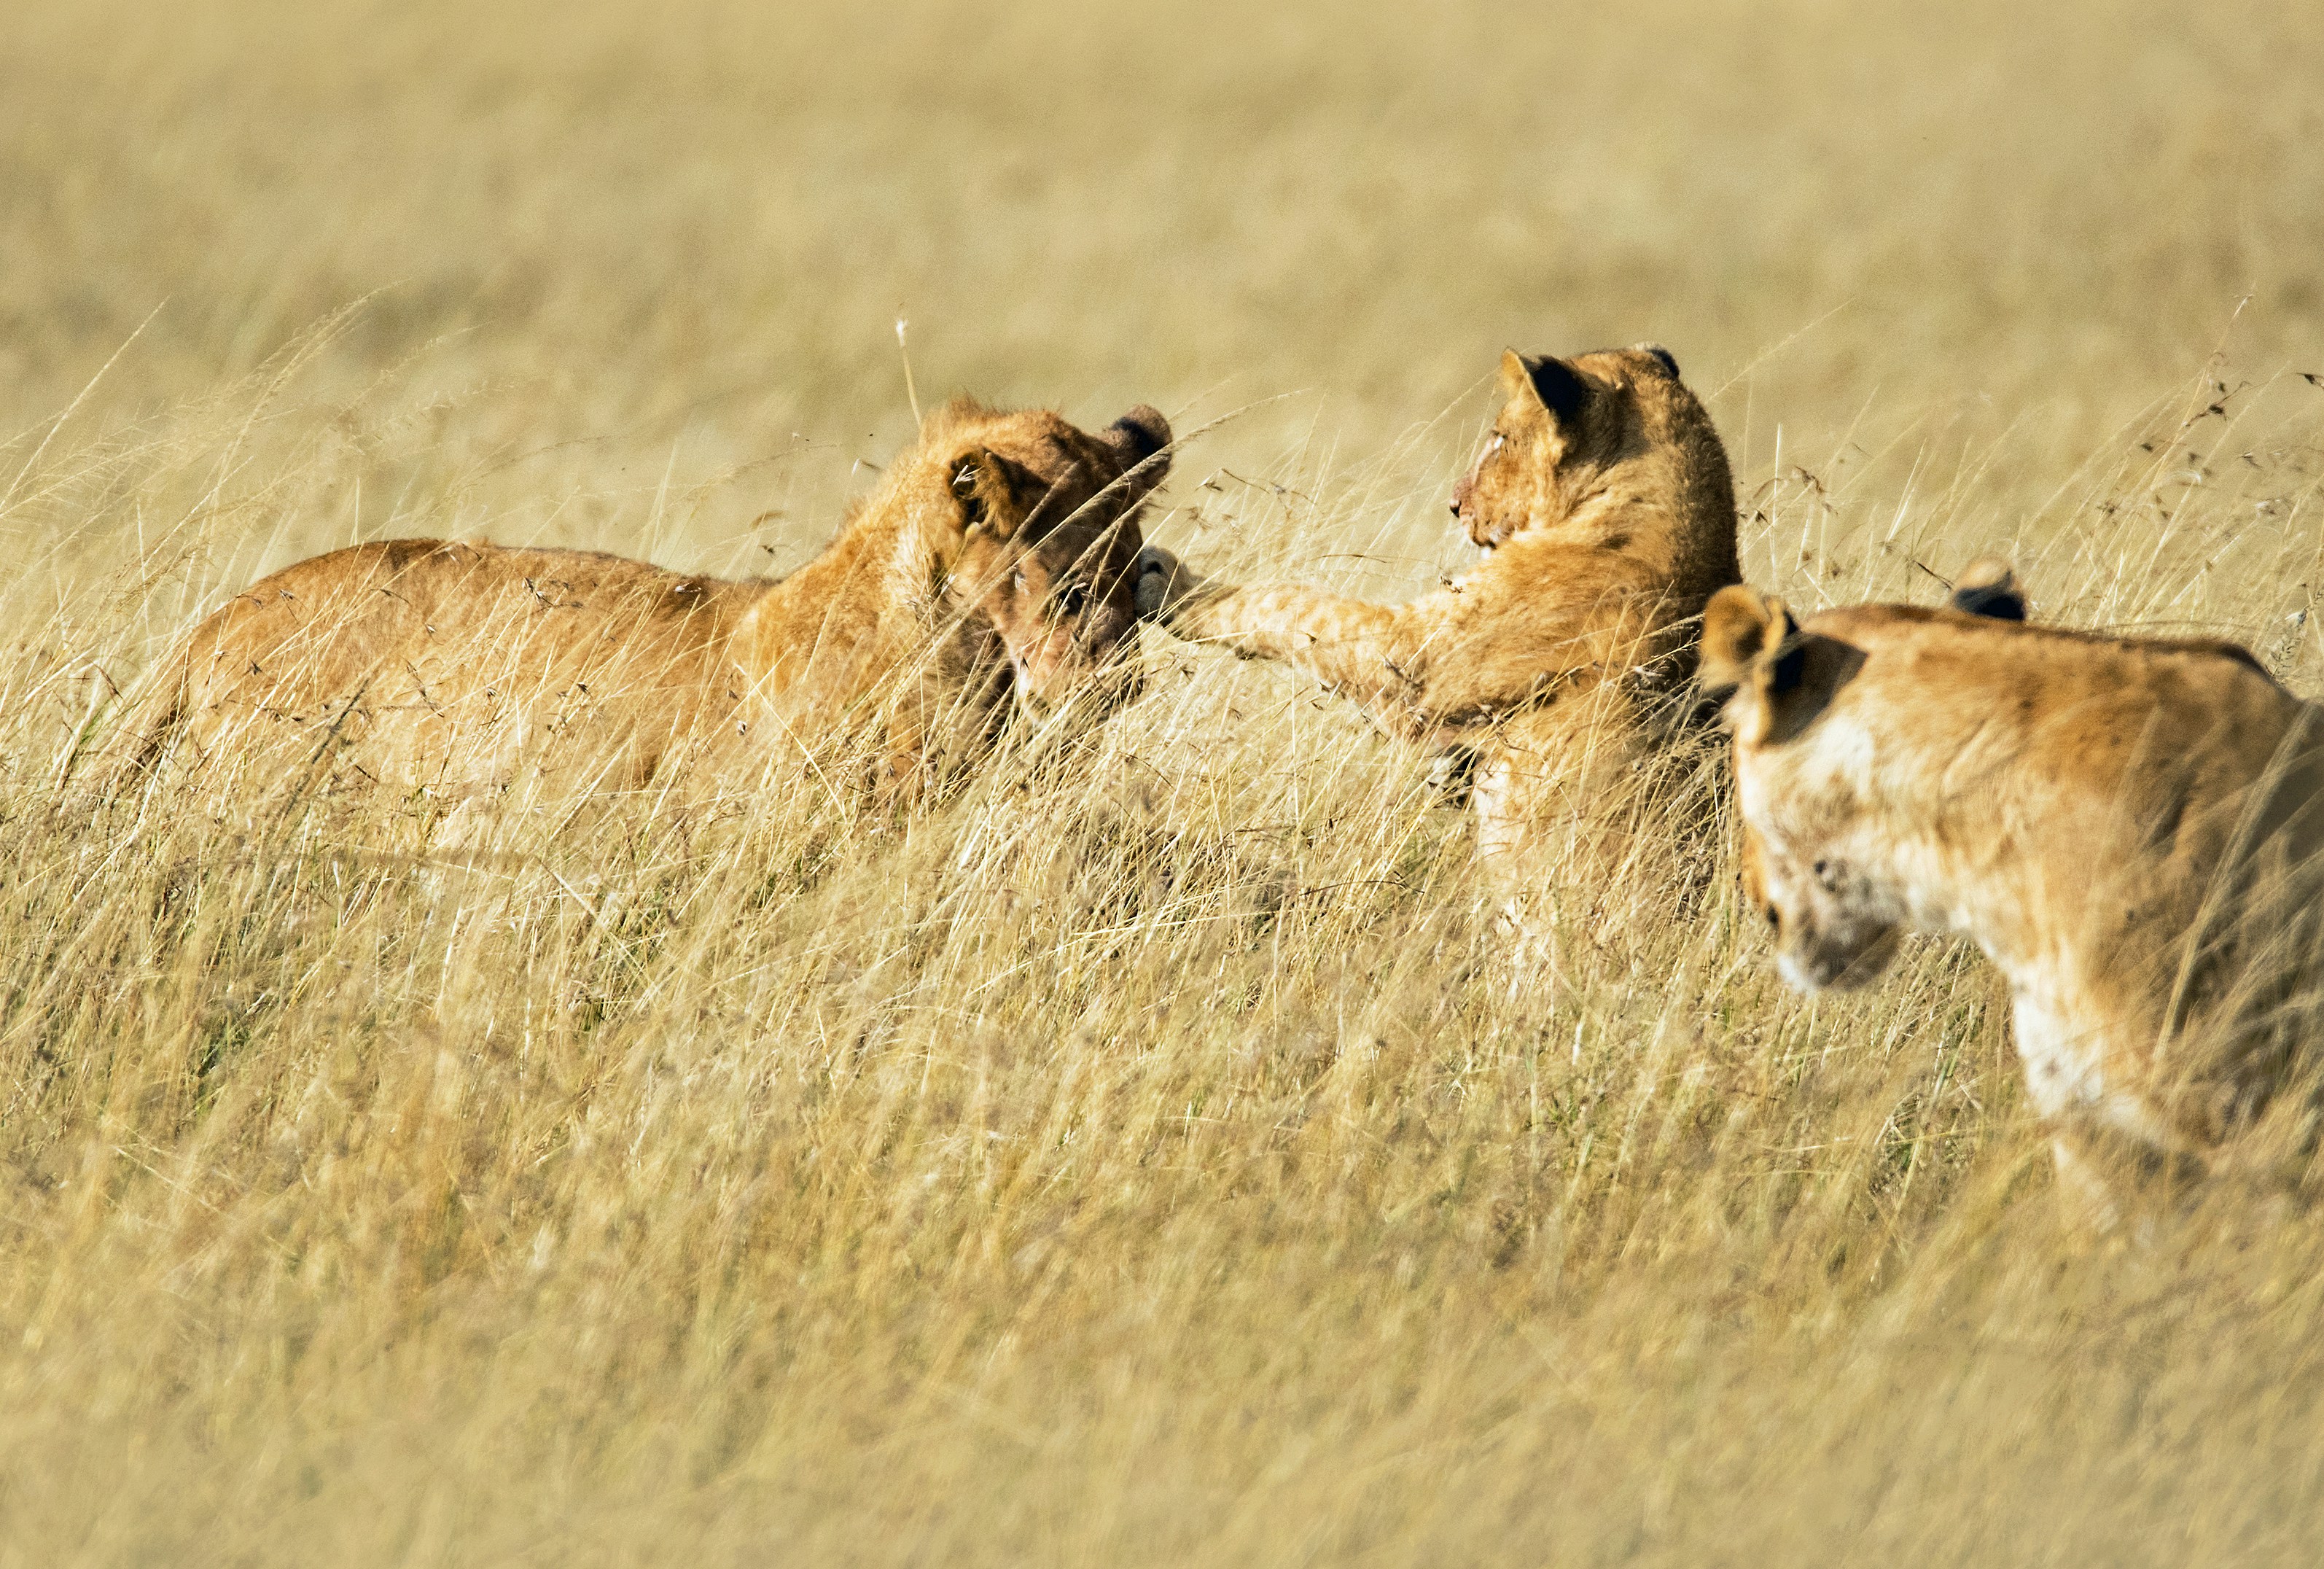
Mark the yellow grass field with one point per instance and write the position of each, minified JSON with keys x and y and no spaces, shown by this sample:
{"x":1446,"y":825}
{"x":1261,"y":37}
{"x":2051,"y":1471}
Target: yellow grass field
{"x":1149,"y":1154}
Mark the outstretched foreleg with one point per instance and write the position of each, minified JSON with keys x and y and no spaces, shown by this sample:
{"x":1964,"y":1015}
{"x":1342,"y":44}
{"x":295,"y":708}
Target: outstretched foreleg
{"x":1457,"y":661}
{"x":1378,"y":655}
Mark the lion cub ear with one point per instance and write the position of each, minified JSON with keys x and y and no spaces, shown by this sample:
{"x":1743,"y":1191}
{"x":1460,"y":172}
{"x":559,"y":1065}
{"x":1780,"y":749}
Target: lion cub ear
{"x":1663,"y":357}
{"x":1988,"y":588}
{"x":1544,"y":382}
{"x":1749,"y":651}
{"x":996,"y":493}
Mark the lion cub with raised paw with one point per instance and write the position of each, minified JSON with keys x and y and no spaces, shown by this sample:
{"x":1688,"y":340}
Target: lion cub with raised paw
{"x":989,"y":571}
{"x":2129,"y":828}
{"x":1557,"y":668}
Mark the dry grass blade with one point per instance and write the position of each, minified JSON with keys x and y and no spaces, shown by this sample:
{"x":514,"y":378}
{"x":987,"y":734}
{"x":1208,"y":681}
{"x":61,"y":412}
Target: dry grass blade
{"x":1147,"y":1151}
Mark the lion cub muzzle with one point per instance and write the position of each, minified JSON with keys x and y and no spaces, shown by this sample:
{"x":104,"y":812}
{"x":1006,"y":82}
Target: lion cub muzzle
{"x":1162,"y":582}
{"x":1813,"y":960}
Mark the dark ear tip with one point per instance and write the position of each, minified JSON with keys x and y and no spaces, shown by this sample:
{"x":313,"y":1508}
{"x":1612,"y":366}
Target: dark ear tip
{"x":1660,"y":355}
{"x":1988,"y":588}
{"x":1791,"y":665}
{"x":1141,"y":433}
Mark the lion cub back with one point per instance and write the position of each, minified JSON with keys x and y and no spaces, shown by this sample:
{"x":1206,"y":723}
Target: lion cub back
{"x":419,"y":663}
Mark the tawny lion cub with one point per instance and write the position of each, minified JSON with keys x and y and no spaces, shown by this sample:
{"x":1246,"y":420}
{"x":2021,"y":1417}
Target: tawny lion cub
{"x":1603,"y":502}
{"x":2128,"y":828}
{"x":989,"y":570}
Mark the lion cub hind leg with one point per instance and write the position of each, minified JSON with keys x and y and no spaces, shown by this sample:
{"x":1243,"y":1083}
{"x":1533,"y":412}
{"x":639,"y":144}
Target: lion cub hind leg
{"x":1565,"y":803}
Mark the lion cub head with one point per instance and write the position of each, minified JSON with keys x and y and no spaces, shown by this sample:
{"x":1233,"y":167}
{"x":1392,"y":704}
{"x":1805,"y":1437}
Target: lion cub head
{"x":1569,"y":427}
{"x":1819,"y":859}
{"x":1834,"y":924}
{"x":1038,"y":533}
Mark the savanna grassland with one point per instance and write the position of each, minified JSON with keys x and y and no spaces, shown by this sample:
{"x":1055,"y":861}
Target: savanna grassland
{"x":1150,"y":1152}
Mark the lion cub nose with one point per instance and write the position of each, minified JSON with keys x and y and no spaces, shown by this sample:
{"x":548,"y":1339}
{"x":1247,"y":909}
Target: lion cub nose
{"x":1150,"y":588}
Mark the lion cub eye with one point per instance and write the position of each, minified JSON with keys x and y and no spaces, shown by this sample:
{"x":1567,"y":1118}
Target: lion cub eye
{"x":1071,"y":598}
{"x":1017,"y":581}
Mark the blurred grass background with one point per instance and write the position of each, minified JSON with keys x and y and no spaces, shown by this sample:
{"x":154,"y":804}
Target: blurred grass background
{"x":684,"y":234}
{"x":1157,"y":1160}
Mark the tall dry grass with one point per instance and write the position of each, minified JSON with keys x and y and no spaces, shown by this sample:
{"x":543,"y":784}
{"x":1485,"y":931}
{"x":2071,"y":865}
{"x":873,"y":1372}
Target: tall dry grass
{"x":1149,"y":1153}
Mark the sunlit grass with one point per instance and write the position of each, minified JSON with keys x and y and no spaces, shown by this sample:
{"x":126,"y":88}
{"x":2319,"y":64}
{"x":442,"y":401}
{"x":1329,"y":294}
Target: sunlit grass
{"x":1149,"y":1150}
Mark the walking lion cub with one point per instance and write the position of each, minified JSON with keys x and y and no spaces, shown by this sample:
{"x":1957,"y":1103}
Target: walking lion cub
{"x":1604,"y":506}
{"x":989,"y":570}
{"x":2128,"y":828}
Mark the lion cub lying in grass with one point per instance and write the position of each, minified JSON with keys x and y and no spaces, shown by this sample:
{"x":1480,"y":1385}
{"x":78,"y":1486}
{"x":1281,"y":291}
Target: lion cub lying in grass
{"x":989,"y":570}
{"x":1556,"y":667}
{"x":2128,"y":828}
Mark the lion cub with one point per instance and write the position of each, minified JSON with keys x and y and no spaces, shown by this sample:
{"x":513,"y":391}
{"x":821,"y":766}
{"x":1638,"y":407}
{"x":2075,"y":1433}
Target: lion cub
{"x":2128,"y":828}
{"x":989,"y":570}
{"x":1604,"y":506}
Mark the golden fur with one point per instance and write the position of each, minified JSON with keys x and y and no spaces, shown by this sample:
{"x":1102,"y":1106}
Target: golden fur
{"x":1603,"y":502}
{"x":992,"y":558}
{"x":2127,"y":826}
